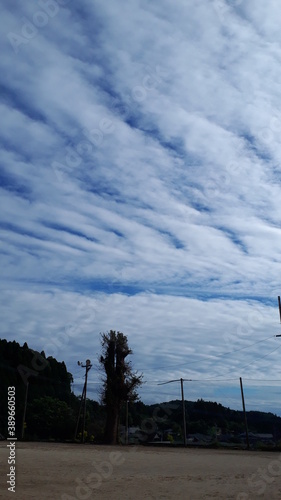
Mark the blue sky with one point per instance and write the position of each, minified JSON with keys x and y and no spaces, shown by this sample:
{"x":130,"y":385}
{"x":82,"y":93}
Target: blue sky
{"x":140,"y":189}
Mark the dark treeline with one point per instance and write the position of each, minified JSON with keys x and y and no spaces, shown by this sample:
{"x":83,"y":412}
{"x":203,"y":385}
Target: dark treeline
{"x":206,"y":417}
{"x":52,"y":407}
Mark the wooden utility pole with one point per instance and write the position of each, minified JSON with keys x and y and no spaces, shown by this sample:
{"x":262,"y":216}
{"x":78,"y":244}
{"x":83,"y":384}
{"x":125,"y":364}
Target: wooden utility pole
{"x":181,"y":380}
{"x":127,"y":422}
{"x":80,"y":408}
{"x":183,"y":413}
{"x":279,"y":305}
{"x":88,"y":366}
{"x":245,"y":416}
{"x":24,"y":411}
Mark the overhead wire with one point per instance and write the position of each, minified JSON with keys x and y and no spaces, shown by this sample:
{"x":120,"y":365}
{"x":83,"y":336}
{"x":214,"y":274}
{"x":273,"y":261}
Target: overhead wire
{"x":215,"y":355}
{"x":218,"y":379}
{"x":262,"y":357}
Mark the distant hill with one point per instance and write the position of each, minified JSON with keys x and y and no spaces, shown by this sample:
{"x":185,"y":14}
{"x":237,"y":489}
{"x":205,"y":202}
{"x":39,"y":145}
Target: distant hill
{"x":52,"y":408}
{"x":204,"y":416}
{"x":46,"y":377}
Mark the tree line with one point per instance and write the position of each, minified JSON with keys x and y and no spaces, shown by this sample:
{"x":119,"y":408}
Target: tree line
{"x":44,"y":384}
{"x":44,"y":395}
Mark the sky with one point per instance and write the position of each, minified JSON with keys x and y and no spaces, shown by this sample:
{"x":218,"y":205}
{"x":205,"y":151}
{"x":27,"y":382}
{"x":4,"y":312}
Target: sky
{"x":140,"y":190}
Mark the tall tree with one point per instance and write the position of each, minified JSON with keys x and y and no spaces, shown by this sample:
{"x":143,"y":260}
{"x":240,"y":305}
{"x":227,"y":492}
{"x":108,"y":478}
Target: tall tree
{"x":120,"y":382}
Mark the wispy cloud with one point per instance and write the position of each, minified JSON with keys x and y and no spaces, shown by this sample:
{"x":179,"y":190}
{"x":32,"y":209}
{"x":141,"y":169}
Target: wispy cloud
{"x":140,"y":178}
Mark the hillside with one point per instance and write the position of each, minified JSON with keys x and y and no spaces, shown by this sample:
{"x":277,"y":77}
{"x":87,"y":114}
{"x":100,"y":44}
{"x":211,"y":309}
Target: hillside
{"x":52,"y":408}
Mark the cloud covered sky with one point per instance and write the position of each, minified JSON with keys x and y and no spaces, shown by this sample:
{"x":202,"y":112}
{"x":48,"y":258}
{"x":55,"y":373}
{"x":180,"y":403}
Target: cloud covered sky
{"x":140,"y":189}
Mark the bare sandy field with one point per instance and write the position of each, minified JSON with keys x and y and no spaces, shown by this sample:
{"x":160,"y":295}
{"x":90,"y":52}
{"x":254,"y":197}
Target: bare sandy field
{"x":68,"y":472}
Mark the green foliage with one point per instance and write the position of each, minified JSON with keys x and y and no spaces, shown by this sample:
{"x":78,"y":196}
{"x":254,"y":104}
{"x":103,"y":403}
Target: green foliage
{"x":170,"y":438}
{"x":52,"y":408}
{"x":50,"y":418}
{"x":79,"y":436}
{"x":46,"y":378}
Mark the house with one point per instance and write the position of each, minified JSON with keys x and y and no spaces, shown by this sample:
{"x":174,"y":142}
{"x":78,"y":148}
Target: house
{"x":198,"y":438}
{"x":255,"y":437}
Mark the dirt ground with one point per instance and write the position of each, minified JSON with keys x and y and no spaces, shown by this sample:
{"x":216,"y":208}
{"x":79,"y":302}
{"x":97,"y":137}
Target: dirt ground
{"x":68,"y":472}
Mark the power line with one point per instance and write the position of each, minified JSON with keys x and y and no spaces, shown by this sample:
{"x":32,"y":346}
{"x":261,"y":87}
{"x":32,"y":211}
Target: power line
{"x":279,"y":347}
{"x":176,"y":380}
{"x":198,"y":380}
{"x":262,"y":379}
{"x":242,"y":368}
{"x":245,"y":366}
{"x":214,"y":355}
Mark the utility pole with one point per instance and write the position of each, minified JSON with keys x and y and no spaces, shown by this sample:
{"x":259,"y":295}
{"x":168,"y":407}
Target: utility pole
{"x":181,"y":380}
{"x":33,"y":374}
{"x":245,"y":416}
{"x":88,"y":366}
{"x":127,"y":422}
{"x":183,"y":413}
{"x":80,"y":408}
{"x":279,"y":306}
{"x":24,"y":411}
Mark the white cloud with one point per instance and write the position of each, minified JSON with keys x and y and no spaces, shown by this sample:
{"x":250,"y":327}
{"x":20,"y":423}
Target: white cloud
{"x":141,"y":156}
